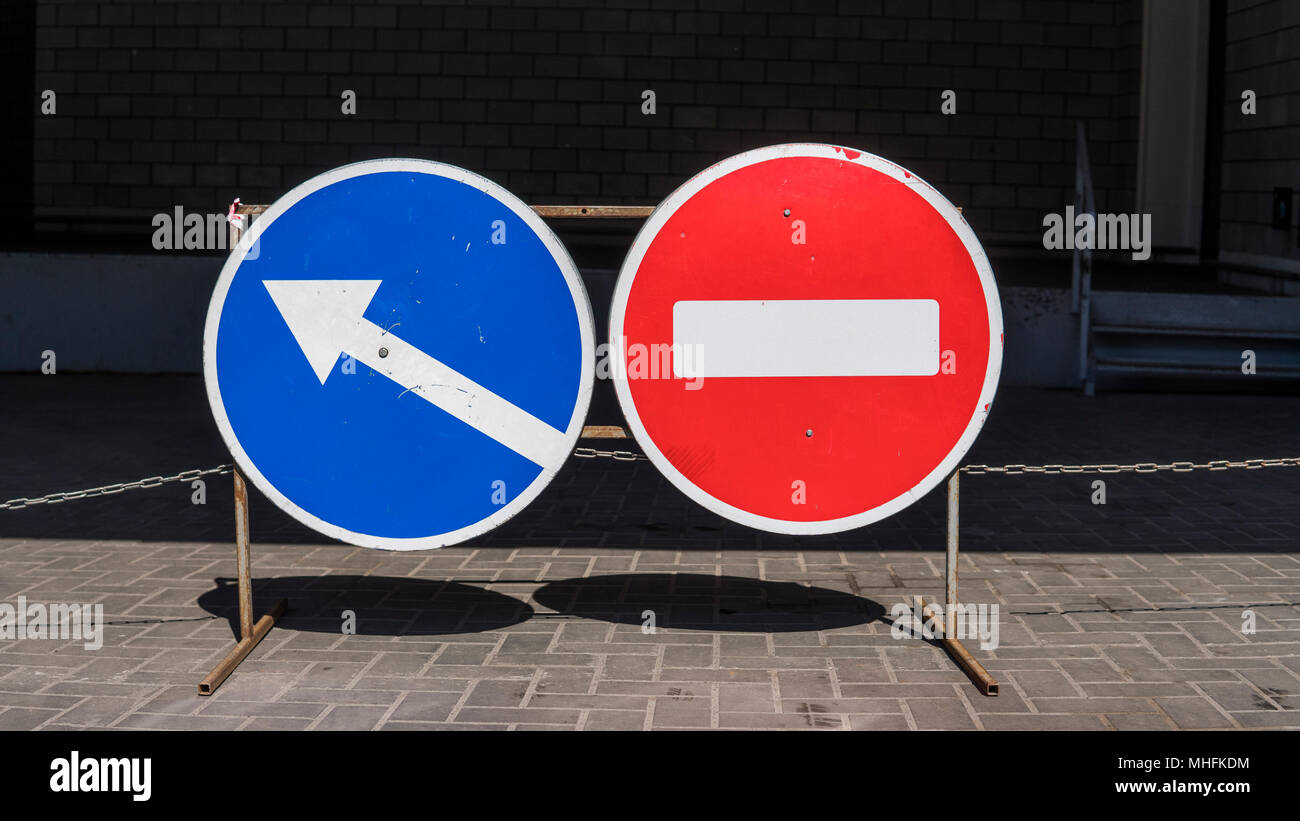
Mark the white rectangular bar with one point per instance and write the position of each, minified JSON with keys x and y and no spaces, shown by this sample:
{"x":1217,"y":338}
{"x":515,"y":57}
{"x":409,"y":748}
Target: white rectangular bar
{"x":806,"y":337}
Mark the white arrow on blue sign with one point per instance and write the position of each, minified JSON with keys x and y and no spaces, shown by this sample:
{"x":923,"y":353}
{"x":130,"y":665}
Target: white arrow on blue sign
{"x":399,"y":354}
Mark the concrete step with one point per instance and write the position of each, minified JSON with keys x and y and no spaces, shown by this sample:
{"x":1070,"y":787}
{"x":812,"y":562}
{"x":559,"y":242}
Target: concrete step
{"x":1195,"y":335}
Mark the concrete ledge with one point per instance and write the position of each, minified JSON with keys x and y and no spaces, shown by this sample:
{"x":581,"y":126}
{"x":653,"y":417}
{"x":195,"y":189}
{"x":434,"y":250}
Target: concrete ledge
{"x":105,"y":312}
{"x":144,"y":314}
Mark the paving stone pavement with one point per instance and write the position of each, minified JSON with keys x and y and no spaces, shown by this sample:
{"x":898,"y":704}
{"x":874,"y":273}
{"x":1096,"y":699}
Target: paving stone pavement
{"x":1126,"y":615}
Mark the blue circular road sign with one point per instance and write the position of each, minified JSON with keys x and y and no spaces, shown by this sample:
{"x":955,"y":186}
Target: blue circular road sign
{"x":399,"y":353}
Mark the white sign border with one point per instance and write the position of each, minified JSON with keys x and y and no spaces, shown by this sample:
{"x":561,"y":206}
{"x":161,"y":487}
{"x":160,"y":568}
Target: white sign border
{"x":582,"y":307}
{"x":650,"y":230}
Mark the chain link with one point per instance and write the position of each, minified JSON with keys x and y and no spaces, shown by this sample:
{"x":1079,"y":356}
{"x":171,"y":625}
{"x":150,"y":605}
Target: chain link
{"x":617,"y":455}
{"x":1140,"y":467}
{"x":109,"y":490}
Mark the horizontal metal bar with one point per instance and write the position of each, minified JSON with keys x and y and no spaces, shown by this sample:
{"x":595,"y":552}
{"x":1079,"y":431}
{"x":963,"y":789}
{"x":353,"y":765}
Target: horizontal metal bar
{"x":1190,"y":369}
{"x":603,"y":432}
{"x":1175,"y":330}
{"x":595,"y":211}
{"x":553,"y":211}
{"x":969,"y":665}
{"x":245,"y":646}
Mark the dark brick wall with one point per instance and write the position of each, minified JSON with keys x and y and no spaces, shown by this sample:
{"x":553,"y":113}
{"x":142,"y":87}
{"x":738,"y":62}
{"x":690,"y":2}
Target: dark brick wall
{"x":1260,"y":151}
{"x":193,"y":103}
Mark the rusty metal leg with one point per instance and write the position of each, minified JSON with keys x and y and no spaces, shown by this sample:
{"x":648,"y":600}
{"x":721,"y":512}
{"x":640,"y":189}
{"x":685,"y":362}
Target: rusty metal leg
{"x":243,"y":560}
{"x":948,"y":618}
{"x":249,"y":633}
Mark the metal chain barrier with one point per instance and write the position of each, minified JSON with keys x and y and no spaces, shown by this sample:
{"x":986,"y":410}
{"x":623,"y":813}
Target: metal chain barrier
{"x":633,"y":456}
{"x":1141,"y":467}
{"x":191,"y":475}
{"x":109,"y":490}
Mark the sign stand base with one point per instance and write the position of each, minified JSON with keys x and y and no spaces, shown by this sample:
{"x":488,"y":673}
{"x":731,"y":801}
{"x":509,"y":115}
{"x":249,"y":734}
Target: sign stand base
{"x":948,"y":616}
{"x":249,"y":633}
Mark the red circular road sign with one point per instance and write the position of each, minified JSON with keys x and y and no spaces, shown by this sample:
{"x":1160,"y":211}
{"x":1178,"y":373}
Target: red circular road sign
{"x":806,"y":338}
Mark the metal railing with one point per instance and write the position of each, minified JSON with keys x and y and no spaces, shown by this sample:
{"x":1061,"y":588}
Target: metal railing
{"x":1085,"y":202}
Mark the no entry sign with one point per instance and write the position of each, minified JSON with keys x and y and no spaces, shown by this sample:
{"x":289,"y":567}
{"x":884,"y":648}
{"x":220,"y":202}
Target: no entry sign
{"x":399,"y":354}
{"x":807,"y":338}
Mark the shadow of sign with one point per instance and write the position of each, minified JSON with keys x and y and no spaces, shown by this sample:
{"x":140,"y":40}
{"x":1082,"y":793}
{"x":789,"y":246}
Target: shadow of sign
{"x":699,"y":602}
{"x":382,"y":605}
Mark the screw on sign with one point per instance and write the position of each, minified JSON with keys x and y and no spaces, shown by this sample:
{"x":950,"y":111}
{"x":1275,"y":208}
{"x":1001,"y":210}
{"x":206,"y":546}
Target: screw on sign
{"x":399,"y":354}
{"x":834,"y":332}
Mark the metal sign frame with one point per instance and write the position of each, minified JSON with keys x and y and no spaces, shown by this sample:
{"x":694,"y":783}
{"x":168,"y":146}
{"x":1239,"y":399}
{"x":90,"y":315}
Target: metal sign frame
{"x":251,"y":632}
